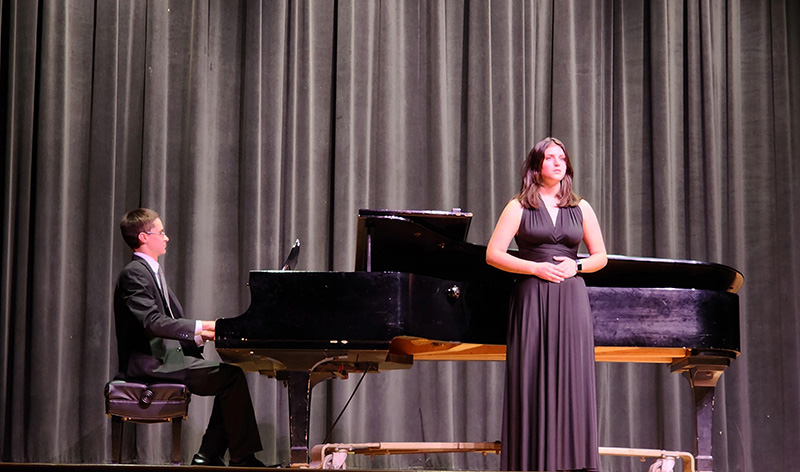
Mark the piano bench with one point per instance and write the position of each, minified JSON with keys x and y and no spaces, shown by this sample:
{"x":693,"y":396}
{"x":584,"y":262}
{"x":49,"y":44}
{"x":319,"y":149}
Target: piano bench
{"x":146,"y":403}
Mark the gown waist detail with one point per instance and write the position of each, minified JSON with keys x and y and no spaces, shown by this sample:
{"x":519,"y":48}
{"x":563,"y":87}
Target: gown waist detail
{"x":546,"y":252}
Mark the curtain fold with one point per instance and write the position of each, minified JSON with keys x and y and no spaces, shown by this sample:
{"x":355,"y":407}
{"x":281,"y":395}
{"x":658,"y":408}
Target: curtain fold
{"x":250,"y":124}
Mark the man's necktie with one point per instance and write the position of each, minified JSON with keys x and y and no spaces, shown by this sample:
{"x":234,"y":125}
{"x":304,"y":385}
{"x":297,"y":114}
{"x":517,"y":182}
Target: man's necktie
{"x":164,"y":290}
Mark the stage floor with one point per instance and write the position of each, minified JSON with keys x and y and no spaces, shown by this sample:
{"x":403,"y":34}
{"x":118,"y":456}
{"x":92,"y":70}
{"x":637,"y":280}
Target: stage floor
{"x":31,"y":467}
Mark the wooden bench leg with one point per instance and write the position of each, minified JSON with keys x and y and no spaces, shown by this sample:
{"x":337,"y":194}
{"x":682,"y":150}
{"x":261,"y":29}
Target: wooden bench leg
{"x":176,"y":441}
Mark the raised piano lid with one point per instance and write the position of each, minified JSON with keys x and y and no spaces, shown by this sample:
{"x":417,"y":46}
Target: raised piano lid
{"x":452,"y":224}
{"x":433,"y":243}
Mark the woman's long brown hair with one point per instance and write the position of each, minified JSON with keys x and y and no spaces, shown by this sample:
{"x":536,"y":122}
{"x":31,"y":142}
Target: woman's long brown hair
{"x":528,"y":194}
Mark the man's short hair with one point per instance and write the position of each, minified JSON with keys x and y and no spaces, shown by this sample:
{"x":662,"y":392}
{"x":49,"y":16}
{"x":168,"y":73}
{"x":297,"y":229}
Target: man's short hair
{"x":134,"y":222}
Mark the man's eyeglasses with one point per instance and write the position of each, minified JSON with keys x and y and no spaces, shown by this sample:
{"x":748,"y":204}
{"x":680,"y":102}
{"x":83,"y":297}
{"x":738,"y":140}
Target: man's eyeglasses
{"x":160,"y":233}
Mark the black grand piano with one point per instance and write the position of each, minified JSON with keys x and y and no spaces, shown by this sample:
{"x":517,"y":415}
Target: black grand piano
{"x":421,"y":292}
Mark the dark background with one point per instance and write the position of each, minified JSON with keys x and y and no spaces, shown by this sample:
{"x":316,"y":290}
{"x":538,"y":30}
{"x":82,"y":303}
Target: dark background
{"x":249,"y":124}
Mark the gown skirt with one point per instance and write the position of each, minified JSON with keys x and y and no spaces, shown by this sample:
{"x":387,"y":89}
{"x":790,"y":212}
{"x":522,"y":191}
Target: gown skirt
{"x":550,"y":407}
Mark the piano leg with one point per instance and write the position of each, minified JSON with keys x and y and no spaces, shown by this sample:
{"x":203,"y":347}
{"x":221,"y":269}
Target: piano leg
{"x":704,"y":413}
{"x":299,"y":384}
{"x":703,"y":370}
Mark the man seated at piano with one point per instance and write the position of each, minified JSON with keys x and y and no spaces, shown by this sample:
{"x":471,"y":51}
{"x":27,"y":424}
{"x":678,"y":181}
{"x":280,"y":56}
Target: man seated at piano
{"x":550,"y":408}
{"x":156,"y":342}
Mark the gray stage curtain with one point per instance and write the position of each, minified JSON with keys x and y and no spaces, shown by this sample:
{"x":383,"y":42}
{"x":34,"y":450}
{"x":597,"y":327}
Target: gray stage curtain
{"x":249,"y":124}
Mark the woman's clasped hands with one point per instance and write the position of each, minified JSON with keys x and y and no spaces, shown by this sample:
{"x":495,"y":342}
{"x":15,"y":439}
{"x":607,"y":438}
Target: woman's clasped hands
{"x":557,"y":272}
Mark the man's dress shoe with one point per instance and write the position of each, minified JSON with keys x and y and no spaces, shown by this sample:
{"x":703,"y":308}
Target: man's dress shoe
{"x":207,"y":459}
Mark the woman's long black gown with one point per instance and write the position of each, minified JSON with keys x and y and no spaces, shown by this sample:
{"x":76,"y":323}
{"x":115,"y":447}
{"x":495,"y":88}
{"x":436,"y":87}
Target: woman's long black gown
{"x":550,"y":409}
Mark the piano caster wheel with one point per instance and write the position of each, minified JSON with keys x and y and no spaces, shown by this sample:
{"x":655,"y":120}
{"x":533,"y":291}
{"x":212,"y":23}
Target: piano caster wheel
{"x":454,"y":292}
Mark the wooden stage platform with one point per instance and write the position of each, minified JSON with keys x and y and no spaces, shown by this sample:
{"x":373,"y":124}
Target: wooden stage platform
{"x":34,"y":467}
{"x":333,"y":456}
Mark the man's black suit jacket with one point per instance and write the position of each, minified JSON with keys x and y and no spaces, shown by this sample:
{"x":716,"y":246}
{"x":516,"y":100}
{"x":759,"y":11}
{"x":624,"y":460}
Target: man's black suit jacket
{"x":150,"y":342}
